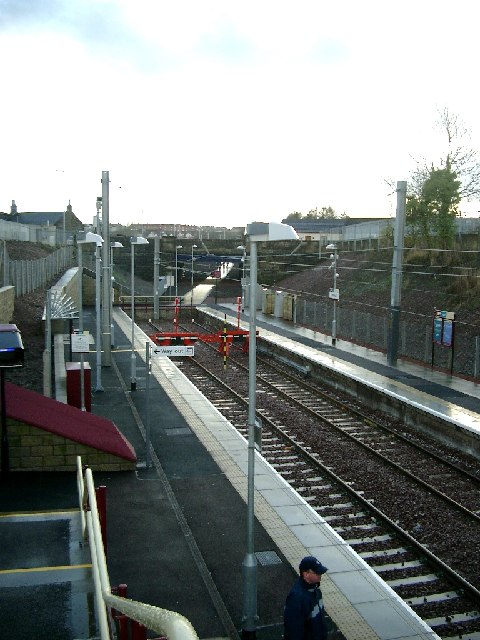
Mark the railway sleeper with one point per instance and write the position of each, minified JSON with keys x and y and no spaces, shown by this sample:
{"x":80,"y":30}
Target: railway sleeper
{"x":457,"y":618}
{"x":412,"y":581}
{"x":433,"y":597}
{"x":382,"y":554}
{"x":334,"y":517}
{"x":358,"y":541}
{"x":405,"y":564}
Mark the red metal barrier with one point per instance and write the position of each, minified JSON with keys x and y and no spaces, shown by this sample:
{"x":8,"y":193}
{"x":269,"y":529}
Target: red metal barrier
{"x":223,"y":339}
{"x":174,"y":337}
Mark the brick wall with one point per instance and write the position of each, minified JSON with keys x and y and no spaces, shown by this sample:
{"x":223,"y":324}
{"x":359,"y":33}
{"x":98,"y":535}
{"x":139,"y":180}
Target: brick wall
{"x":32,"y":449}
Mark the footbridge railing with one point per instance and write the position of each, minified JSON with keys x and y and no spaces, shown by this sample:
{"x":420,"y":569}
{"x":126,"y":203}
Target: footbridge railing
{"x":169,"y":624}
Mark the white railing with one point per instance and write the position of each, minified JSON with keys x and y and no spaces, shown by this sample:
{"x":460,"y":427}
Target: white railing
{"x":167,"y":623}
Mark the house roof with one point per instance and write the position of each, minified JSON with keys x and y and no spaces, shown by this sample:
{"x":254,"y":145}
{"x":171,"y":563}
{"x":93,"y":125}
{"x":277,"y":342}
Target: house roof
{"x":40,"y":218}
{"x":67,"y":421}
{"x":317,"y":225}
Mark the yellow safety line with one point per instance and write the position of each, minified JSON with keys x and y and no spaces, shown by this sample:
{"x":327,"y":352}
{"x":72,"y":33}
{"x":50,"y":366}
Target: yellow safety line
{"x":9,"y":514}
{"x":62,"y":568}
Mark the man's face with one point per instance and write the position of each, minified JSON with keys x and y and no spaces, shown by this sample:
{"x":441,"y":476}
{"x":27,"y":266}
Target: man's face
{"x":311,"y":577}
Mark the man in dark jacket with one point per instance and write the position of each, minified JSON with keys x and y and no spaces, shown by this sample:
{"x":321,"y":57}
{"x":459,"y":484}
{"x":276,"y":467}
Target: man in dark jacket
{"x":304,"y":615}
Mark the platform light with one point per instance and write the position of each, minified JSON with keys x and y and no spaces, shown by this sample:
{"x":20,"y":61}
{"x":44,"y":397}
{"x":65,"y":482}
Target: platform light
{"x":256,"y":232}
{"x":133,"y":375}
{"x":333,"y":293}
{"x":177,"y":247}
{"x":113,"y":245}
{"x":87,"y":238}
{"x":194,"y":246}
{"x":244,"y":259}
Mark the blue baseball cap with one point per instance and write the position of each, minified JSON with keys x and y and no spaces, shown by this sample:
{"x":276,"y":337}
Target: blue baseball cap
{"x":310,"y":562}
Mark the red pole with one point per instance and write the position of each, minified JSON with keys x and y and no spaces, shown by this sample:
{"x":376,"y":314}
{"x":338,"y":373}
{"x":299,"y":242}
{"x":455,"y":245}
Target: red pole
{"x":123,"y":625}
{"x":225,"y":343}
{"x":139,"y":632}
{"x":101,"y":495}
{"x":120,"y":591}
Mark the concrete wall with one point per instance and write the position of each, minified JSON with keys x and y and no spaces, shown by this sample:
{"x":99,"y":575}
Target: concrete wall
{"x":32,"y":449}
{"x":68,"y":285}
{"x":7,"y":302}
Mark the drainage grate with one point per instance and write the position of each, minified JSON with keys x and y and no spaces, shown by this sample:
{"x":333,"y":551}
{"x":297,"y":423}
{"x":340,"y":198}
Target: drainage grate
{"x":267,"y":558}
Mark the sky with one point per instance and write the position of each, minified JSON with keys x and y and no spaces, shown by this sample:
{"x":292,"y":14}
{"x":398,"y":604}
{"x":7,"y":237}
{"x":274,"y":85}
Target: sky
{"x":214,"y":112}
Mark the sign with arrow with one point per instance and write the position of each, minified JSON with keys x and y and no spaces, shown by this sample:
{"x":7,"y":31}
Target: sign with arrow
{"x":174,"y":350}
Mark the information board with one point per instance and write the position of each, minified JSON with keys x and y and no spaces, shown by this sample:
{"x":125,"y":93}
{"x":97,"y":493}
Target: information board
{"x":80,"y":342}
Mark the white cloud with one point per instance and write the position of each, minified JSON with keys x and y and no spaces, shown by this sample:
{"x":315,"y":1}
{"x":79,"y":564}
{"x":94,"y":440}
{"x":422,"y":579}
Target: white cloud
{"x":221,"y":112}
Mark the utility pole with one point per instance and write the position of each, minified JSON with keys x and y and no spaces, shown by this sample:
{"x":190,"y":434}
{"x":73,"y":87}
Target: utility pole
{"x":107,"y":279}
{"x":156,"y":276}
{"x":397,"y":268}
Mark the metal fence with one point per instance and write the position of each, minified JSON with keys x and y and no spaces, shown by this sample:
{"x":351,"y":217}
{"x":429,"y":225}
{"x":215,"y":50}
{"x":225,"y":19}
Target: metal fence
{"x":415,"y":334}
{"x":28,"y":275}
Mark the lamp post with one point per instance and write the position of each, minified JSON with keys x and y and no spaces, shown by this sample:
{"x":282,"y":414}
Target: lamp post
{"x":194,"y":246}
{"x":113,"y":245}
{"x":244,"y":259}
{"x":98,"y":340}
{"x":133,"y":375}
{"x":156,"y":276}
{"x":177,"y":247}
{"x":333,"y":294}
{"x":85,"y":238}
{"x":256,"y":232}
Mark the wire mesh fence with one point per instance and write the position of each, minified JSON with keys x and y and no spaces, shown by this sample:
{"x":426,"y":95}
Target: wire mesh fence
{"x":415,"y":341}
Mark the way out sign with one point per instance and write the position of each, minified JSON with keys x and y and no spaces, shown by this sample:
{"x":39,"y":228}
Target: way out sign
{"x":175,"y":350}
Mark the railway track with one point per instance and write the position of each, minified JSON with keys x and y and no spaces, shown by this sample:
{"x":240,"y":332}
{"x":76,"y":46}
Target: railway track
{"x":409,"y":507}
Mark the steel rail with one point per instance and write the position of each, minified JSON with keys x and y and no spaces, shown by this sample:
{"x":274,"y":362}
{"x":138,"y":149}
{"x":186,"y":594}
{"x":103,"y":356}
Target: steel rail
{"x":440,"y":565}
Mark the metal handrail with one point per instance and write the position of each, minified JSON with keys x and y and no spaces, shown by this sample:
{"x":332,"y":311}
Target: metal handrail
{"x":167,"y":623}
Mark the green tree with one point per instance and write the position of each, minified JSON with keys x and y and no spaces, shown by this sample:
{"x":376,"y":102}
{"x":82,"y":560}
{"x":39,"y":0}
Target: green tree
{"x":434,"y":209}
{"x":325,"y":213}
{"x":295,"y":215}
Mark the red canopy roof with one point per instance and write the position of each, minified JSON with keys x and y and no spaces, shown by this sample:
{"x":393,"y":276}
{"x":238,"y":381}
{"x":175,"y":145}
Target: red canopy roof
{"x":67,"y":421}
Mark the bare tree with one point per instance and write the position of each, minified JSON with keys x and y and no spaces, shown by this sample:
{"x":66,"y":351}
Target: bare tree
{"x":460,"y":158}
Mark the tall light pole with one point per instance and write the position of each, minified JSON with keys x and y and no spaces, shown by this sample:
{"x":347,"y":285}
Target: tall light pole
{"x":85,"y":238}
{"x":244,"y":259}
{"x":133,"y":369}
{"x":397,"y":268}
{"x":107,"y":284}
{"x":333,"y":294}
{"x":256,"y":232}
{"x":113,"y":245}
{"x":156,"y":276}
{"x":177,"y":247}
{"x":98,"y":338}
{"x":194,"y":246}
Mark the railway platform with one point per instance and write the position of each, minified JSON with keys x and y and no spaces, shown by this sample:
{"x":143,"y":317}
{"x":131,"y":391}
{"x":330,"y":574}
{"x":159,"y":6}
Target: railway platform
{"x":177,"y":528}
{"x":453,"y":399}
{"x":211,"y":491}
